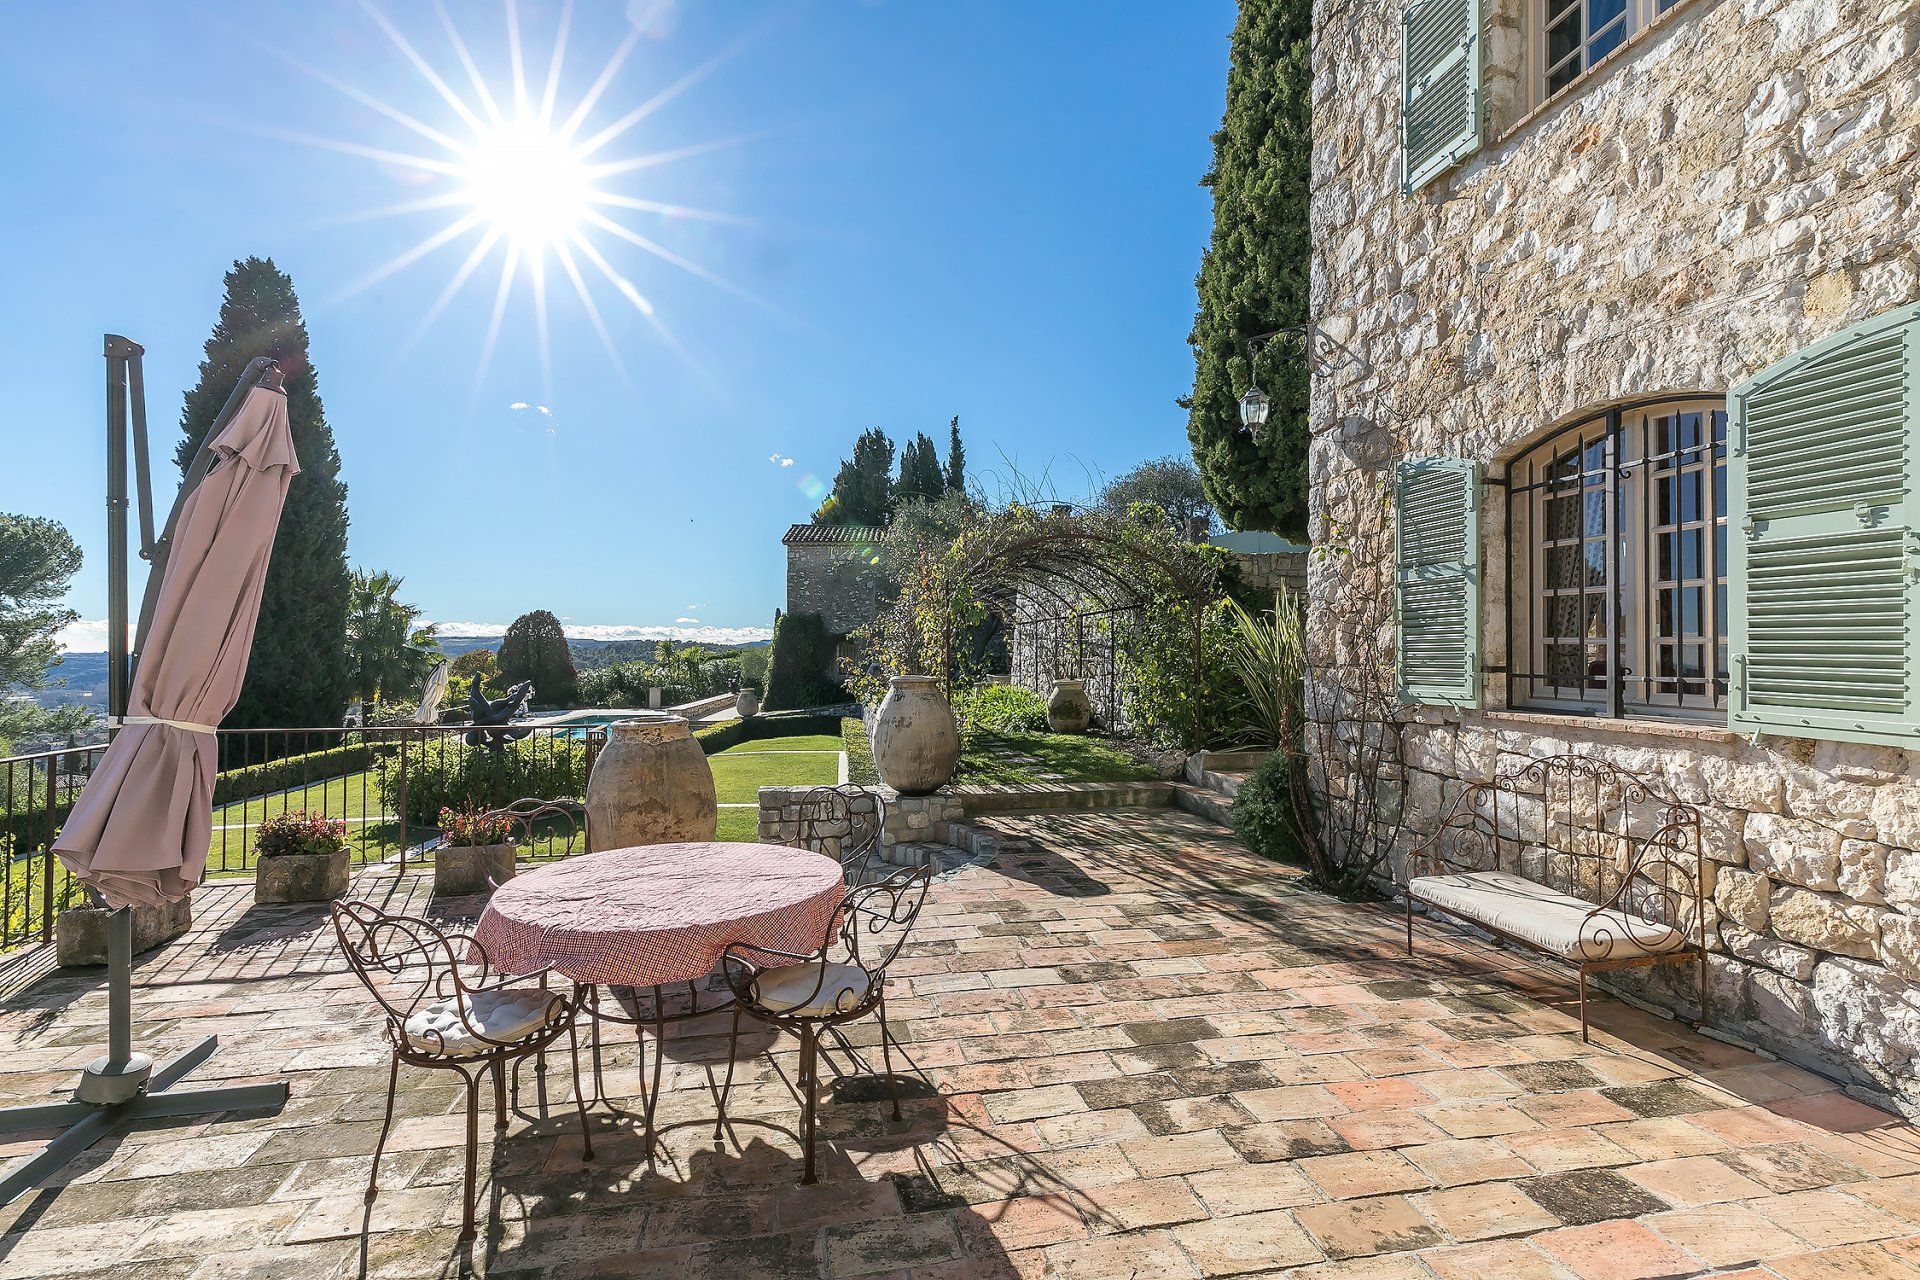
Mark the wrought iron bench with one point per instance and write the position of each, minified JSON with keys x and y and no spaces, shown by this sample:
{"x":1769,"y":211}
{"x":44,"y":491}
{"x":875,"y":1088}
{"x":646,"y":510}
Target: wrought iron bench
{"x":1576,"y":858}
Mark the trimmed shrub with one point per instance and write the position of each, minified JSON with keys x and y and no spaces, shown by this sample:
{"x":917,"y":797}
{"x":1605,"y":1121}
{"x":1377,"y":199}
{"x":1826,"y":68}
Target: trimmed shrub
{"x":447,"y":773}
{"x":802,"y":657}
{"x":1000,"y":708}
{"x":1264,"y":816}
{"x":252,"y":781}
{"x":786,"y":724}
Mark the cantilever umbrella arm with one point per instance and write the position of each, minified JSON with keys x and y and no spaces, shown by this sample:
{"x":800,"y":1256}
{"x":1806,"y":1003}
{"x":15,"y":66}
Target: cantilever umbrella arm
{"x":124,"y":1085}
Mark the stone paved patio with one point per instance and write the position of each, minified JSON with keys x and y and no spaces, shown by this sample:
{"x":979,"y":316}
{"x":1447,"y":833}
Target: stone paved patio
{"x":1155,"y":1055}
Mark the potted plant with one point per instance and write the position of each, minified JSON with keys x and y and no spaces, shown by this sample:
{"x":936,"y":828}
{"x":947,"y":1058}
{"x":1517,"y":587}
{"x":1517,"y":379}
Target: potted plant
{"x":300,"y":857}
{"x":475,"y":853}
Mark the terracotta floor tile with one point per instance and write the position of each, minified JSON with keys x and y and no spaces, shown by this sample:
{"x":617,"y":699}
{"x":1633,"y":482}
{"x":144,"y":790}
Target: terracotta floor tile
{"x":1792,"y":1166}
{"x":1357,"y":1228}
{"x":1364,"y":1173}
{"x":1379,"y":1095}
{"x":1390,"y":1266}
{"x":1832,"y":1111}
{"x":1725,"y":1235}
{"x":1179,"y":1153}
{"x":1367,"y":1130}
{"x":1148,"y":1202}
{"x":1459,"y":1161}
{"x":1849,"y":1262}
{"x":1253,"y":1188}
{"x":1827,"y":1218}
{"x":1292,"y":1102}
{"x":1495,"y":1260}
{"x":1484,"y":1212}
{"x":1693,"y":1180}
{"x":1616,"y":1251}
{"x":1480,"y":1119}
{"x":1128,"y":1257}
{"x":1664,"y":1137}
{"x":1560,"y":1150}
{"x":1251,"y":1242}
{"x":1029,"y":1222}
{"x":1898,"y":1196}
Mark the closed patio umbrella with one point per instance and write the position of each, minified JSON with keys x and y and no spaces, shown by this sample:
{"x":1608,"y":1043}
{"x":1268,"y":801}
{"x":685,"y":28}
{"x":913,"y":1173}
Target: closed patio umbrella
{"x":140,"y":831}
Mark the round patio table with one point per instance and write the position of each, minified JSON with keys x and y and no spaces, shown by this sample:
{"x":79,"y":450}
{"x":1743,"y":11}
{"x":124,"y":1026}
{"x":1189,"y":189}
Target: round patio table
{"x":656,"y":915}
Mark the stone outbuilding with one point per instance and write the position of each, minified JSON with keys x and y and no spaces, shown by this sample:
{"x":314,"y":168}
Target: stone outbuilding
{"x":1630,"y":289}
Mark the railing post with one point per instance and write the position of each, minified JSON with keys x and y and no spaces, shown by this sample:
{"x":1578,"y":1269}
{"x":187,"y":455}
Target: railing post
{"x":47,"y":859}
{"x":404,"y":736}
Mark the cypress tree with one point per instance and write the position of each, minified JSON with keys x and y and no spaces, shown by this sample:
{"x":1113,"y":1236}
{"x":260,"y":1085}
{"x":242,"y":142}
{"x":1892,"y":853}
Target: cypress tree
{"x":298,"y":673}
{"x":863,"y":490}
{"x":535,"y":648}
{"x":919,"y":471}
{"x":1254,"y":277}
{"x":956,"y":474}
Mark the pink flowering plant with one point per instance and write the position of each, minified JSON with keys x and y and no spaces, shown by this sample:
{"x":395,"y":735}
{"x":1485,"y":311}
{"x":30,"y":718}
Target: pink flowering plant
{"x":471,"y":828}
{"x":299,"y":832}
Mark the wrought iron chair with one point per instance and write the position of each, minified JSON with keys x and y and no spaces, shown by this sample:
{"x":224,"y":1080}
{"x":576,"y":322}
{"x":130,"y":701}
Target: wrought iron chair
{"x":444,"y":1012}
{"x":844,"y":823}
{"x":845,"y":979}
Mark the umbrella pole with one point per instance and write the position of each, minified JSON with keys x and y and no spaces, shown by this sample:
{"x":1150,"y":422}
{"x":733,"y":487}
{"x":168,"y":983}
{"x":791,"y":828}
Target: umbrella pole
{"x":124,"y":1085}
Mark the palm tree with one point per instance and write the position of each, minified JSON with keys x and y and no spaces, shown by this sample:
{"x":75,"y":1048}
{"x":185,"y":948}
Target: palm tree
{"x":389,"y":652}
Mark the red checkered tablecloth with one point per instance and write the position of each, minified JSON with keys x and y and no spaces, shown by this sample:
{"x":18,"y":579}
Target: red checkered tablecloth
{"x":659,"y":913}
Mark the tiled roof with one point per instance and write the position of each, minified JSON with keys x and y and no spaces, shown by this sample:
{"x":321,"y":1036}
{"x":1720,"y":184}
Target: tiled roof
{"x":833,"y":533}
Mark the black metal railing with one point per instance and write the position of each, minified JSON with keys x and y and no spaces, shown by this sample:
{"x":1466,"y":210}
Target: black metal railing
{"x":388,"y":784}
{"x":36,"y":791}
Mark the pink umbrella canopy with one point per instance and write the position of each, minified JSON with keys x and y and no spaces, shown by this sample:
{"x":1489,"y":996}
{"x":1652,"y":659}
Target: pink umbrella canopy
{"x":140,"y":831}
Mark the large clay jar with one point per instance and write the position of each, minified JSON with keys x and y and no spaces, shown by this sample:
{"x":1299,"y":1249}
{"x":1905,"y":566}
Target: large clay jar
{"x":1068,"y":710}
{"x":746,"y":703}
{"x":916,"y":745}
{"x":650,"y":785}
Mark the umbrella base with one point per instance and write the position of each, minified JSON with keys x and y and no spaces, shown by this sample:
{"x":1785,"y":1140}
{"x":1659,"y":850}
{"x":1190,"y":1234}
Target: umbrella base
{"x":86,"y":1123}
{"x":108,"y":1081}
{"x":122,"y":1085}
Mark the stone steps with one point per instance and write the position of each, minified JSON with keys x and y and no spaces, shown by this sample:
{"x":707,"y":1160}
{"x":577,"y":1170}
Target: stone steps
{"x":1205,"y":802}
{"x":979,"y":801}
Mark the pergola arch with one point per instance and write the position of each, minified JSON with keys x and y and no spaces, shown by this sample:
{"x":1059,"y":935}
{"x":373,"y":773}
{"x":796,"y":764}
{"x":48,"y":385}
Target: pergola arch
{"x":1073,"y":565}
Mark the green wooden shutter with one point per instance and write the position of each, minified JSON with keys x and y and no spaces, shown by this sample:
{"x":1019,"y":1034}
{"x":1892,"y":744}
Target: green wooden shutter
{"x":1436,"y":606}
{"x":1823,"y":533}
{"x":1440,"y":82}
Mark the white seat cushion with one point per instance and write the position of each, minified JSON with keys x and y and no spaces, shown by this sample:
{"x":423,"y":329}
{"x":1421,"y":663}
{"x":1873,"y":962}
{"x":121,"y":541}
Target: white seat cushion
{"x":791,"y":989}
{"x":1550,"y":920}
{"x":507,"y":1015}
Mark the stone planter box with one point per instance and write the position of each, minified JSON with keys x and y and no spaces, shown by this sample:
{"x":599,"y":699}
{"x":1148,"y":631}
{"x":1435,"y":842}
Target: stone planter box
{"x":301,"y":877}
{"x":464,"y":869}
{"x":80,"y":933}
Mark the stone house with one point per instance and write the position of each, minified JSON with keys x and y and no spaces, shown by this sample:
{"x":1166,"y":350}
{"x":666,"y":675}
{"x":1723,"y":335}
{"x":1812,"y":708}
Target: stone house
{"x":1632,"y":289}
{"x":833,"y":570}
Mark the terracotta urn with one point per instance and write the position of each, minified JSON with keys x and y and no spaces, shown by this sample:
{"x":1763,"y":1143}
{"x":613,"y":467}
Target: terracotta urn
{"x":1068,"y":710}
{"x":916,"y":745}
{"x":746,"y":703}
{"x":650,"y":785}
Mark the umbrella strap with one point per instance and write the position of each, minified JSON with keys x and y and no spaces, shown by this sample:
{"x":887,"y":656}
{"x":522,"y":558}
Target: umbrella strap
{"x":188,"y":725}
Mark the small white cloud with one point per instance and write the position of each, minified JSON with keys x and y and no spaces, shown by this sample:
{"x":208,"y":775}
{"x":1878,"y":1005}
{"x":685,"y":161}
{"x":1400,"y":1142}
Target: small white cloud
{"x":522,"y":405}
{"x":786,"y":462}
{"x":687,"y":622}
{"x":86,"y":636}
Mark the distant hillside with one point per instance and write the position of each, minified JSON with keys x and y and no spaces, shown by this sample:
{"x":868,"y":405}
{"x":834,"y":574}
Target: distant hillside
{"x":86,"y":673}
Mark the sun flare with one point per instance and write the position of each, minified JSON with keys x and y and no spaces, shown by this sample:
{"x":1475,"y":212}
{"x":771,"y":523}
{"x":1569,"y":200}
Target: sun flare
{"x":529,"y":184}
{"x":532,"y":182}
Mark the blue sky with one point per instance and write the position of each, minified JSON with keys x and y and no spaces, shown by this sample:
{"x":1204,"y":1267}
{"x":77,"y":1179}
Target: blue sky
{"x":989,"y":209}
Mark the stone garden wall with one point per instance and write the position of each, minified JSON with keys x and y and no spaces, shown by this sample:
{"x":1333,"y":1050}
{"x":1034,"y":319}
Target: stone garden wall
{"x":1739,"y":183}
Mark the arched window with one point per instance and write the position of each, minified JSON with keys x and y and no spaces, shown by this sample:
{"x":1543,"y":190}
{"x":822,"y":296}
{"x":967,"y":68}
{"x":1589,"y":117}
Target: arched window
{"x":1617,"y":584}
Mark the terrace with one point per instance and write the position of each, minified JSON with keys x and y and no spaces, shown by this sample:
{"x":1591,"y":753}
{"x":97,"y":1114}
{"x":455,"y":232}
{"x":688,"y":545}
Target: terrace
{"x":1136,"y":1050}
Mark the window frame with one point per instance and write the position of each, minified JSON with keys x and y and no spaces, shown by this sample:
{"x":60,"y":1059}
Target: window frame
{"x":1619,"y":461}
{"x":1638,"y":17}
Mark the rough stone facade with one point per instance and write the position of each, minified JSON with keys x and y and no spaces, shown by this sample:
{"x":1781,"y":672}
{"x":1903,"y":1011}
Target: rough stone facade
{"x":831,"y":572}
{"x":1734,"y":184}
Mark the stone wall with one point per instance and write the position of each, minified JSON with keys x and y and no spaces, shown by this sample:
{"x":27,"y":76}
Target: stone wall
{"x":1734,"y":185}
{"x":838,"y":581}
{"x":1267,"y":572}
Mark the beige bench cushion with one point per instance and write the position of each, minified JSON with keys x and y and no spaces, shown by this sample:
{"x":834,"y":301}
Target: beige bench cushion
{"x":1544,"y":917}
{"x":501,"y":1015}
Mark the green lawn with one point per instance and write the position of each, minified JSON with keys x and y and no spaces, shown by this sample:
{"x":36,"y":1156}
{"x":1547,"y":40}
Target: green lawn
{"x":739,"y":826}
{"x":737,"y":779}
{"x":1030,"y":759}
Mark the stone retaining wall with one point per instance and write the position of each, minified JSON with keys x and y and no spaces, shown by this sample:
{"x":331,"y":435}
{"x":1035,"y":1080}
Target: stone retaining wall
{"x":1736,"y":185}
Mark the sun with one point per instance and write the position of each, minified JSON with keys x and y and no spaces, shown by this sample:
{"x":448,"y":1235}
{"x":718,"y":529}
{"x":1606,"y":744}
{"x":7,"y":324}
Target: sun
{"x":532,"y":181}
{"x":529,"y":184}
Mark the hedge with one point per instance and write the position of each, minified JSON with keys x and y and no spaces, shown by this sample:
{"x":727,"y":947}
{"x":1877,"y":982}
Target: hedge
{"x":860,"y":767}
{"x":778,"y":724}
{"x":799,"y":671}
{"x":448,"y":772}
{"x":250,"y":782}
